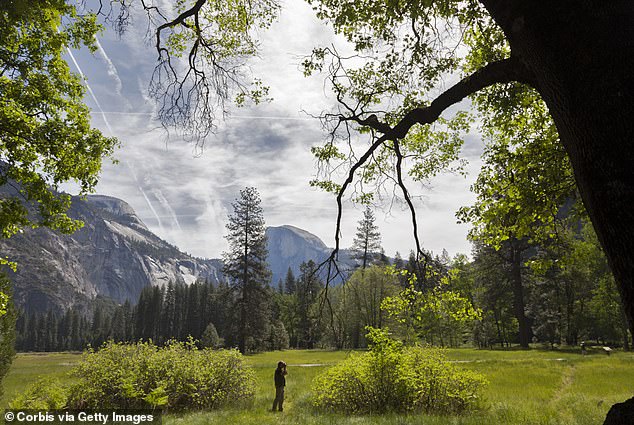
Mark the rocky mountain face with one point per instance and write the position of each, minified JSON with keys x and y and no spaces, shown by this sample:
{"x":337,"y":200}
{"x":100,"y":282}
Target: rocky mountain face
{"x":290,"y":246}
{"x":114,"y":255}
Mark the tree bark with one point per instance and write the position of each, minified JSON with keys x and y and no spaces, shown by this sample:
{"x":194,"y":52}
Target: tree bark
{"x":525,"y":332}
{"x":582,"y":57}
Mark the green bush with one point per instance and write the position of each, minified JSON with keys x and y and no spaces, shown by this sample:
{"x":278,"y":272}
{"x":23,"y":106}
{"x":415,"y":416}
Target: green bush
{"x":177,"y":376}
{"x":44,"y":394}
{"x":7,"y":327}
{"x":391,"y":378}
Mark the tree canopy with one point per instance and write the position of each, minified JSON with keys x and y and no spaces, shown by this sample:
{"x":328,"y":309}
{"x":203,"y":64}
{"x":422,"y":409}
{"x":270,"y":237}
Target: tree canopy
{"x":45,"y":133}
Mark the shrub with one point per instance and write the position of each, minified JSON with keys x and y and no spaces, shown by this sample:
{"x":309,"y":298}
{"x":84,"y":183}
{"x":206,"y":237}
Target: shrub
{"x":177,"y":376}
{"x":7,"y":327}
{"x":210,"y":338}
{"x":391,"y":378}
{"x":44,"y":394}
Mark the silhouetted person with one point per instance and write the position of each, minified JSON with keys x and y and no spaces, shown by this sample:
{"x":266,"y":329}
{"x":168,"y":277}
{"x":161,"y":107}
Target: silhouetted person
{"x":280,"y":383}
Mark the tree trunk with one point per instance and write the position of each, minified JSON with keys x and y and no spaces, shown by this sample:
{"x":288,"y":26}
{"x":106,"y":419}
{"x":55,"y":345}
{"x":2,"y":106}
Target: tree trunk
{"x":518,"y":295}
{"x":582,"y":57}
{"x":626,"y":338}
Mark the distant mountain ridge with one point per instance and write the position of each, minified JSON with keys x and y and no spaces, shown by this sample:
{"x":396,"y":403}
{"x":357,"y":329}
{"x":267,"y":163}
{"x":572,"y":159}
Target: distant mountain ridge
{"x":114,"y":255}
{"x":290,"y":246}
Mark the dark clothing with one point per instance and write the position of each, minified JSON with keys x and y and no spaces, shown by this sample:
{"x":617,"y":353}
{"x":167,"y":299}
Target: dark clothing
{"x":280,"y":383}
{"x":279,"y":398}
{"x":280,"y":380}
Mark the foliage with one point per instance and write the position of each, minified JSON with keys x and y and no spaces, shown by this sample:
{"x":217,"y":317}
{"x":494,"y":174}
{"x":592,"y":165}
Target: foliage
{"x":210,"y":338}
{"x":177,"y":376}
{"x":7,"y":329}
{"x":367,"y":241}
{"x":437,"y":315}
{"x":391,"y":378}
{"x":363,"y":294}
{"x":245,"y":266}
{"x":44,"y":394}
{"x":309,"y":287}
{"x":45,"y":131}
{"x":526,"y":180}
{"x":525,"y":388}
{"x":279,"y":339}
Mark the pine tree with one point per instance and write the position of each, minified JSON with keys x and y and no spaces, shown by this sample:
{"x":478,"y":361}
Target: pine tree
{"x":290,"y":285}
{"x":308,"y":289}
{"x":193,"y":318}
{"x":127,"y":319}
{"x":367,"y":241}
{"x":210,"y":338}
{"x":168,"y":317}
{"x":118,"y":325}
{"x":98,"y":327}
{"x":246,"y":267}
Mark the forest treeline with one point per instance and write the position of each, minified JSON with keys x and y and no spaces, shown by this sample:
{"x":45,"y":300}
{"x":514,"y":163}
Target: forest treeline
{"x":564,"y":303}
{"x":558,"y":291}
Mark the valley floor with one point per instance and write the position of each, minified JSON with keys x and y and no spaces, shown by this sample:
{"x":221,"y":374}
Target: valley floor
{"x":526,"y":387}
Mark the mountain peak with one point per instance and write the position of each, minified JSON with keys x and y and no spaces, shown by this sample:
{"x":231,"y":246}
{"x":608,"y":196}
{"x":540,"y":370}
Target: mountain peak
{"x":306,"y":236}
{"x":116,"y":207}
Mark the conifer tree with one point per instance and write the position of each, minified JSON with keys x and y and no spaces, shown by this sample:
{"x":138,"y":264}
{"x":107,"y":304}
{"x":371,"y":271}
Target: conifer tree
{"x":193,"y":321}
{"x":169,"y":312}
{"x":290,"y":285}
{"x":247,"y":270}
{"x":367,"y":241}
{"x":308,"y":289}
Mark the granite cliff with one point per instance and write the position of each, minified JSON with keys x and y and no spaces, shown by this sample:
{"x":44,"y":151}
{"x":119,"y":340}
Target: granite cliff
{"x":114,"y":255}
{"x":290,"y":246}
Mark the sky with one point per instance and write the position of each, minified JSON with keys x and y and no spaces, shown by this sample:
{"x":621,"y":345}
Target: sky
{"x":184,"y":196}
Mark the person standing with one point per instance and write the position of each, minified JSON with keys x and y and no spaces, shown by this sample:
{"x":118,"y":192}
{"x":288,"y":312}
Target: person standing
{"x":280,"y":383}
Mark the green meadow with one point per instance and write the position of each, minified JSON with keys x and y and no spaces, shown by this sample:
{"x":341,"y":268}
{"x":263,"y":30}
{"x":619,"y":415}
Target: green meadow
{"x":526,"y":387}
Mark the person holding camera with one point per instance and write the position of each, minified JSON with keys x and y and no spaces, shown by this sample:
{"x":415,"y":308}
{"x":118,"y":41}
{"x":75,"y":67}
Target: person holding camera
{"x":280,"y":383}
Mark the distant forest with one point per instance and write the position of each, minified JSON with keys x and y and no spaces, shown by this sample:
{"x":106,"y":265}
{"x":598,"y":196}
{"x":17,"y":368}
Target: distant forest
{"x":557,"y":292}
{"x":562,"y":309}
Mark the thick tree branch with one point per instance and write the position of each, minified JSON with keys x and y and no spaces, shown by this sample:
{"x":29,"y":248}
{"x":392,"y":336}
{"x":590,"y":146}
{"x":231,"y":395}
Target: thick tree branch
{"x":179,"y":20}
{"x":503,"y":71}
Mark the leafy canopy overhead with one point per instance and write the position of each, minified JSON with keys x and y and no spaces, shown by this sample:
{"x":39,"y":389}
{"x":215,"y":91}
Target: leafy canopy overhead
{"x":45,"y":133}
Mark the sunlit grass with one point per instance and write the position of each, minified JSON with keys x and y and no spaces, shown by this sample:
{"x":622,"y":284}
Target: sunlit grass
{"x":26,"y":368}
{"x":526,"y":387}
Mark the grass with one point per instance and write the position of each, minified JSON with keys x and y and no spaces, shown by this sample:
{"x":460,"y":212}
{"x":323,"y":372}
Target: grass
{"x":526,"y":387}
{"x":26,"y":369}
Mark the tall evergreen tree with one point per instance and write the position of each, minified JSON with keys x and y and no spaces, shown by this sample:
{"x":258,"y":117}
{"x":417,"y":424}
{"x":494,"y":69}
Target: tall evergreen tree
{"x":308,"y":288}
{"x":169,"y":312}
{"x":193,"y":318}
{"x":290,"y":284}
{"x":367,"y":241}
{"x":246,"y":267}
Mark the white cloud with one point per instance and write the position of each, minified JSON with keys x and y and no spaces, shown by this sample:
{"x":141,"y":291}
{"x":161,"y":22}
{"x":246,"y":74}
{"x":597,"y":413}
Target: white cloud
{"x":185,"y":199}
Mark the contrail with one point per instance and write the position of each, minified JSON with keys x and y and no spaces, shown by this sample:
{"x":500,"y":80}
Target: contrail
{"x":163,"y":200}
{"x":151,"y":208}
{"x":147,"y":200}
{"x":246,"y":117}
{"x":92,"y":94}
{"x":111,"y":69}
